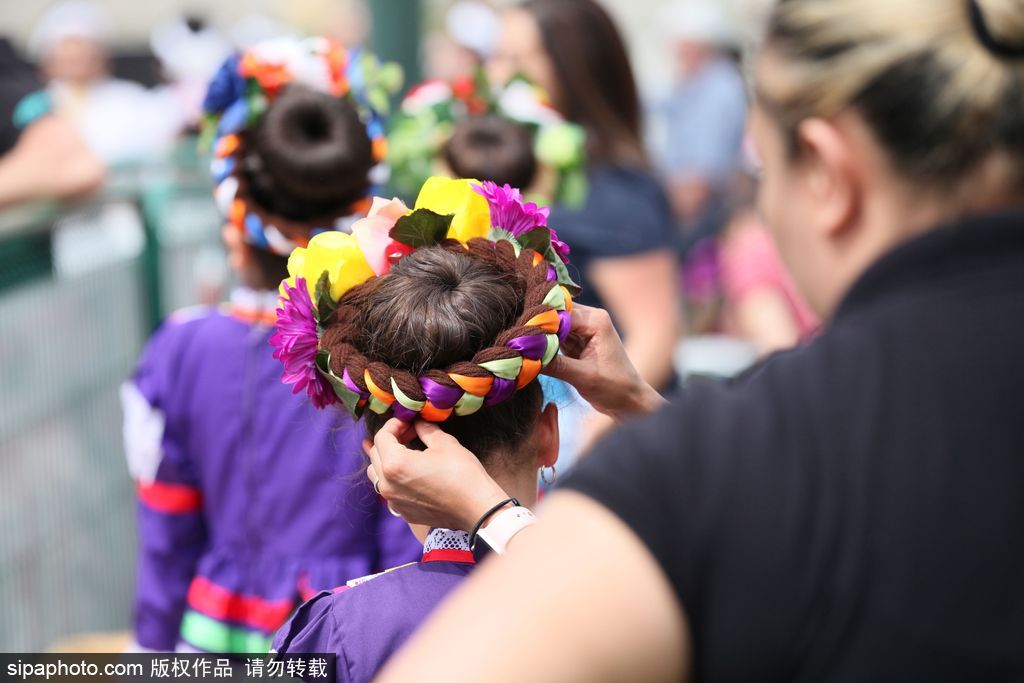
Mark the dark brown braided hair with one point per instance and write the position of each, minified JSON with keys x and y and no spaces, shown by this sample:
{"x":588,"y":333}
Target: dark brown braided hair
{"x":445,"y":308}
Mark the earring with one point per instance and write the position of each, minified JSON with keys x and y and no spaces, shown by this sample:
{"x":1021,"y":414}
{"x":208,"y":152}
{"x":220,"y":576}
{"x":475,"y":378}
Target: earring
{"x":544,"y":476}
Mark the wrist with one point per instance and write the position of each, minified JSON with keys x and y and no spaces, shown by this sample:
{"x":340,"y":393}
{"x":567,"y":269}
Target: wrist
{"x":479,"y":505}
{"x":642,"y":400}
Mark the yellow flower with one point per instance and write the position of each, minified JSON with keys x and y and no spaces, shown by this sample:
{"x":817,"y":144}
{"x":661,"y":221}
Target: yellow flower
{"x":446,"y":196}
{"x":332,"y":252}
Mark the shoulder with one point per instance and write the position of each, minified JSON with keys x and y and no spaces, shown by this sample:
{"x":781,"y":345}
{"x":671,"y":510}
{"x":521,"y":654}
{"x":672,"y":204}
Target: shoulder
{"x":185,"y":333}
{"x":718,"y":453}
{"x":311,"y":628}
{"x":409,"y":589}
{"x":185,"y":325}
{"x":368,"y":619}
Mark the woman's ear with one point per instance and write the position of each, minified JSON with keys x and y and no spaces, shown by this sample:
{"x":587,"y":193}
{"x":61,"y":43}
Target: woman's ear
{"x":832,"y":171}
{"x":239,"y":256}
{"x":547,"y":436}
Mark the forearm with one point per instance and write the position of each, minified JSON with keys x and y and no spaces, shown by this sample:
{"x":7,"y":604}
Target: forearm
{"x":170,"y":546}
{"x":764,"y":318}
{"x":49,"y":162}
{"x":651,"y":351}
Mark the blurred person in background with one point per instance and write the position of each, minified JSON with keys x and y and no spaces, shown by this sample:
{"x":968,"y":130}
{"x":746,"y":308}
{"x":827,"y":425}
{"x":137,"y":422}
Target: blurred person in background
{"x":705,"y":117}
{"x":119,"y":120}
{"x":189,"y":51}
{"x":41,"y":155}
{"x":763,"y":304}
{"x":350,"y":22}
{"x":249,"y":499}
{"x":852,"y":510}
{"x":621,"y":236}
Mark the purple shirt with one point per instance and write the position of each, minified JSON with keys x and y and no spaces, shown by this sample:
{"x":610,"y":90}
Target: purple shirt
{"x":250,"y":500}
{"x":368,"y":621}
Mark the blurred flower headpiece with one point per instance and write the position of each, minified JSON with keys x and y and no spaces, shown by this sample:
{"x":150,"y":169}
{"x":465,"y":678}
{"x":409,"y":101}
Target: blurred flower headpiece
{"x":430,"y":111}
{"x":482,"y":220}
{"x":246,"y":84}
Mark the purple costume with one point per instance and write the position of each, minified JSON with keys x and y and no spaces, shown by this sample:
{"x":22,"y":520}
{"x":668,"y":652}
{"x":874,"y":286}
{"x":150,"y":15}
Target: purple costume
{"x":250,"y":500}
{"x":366,"y":621}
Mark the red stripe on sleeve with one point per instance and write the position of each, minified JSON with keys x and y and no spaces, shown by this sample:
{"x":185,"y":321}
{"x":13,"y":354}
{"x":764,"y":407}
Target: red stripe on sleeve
{"x":171,"y":499}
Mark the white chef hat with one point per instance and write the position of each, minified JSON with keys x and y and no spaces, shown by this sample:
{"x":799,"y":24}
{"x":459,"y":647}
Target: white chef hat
{"x":70,"y":19}
{"x":703,"y":21}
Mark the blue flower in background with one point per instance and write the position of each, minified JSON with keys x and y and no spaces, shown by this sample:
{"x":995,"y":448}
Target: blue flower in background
{"x":226,"y":87}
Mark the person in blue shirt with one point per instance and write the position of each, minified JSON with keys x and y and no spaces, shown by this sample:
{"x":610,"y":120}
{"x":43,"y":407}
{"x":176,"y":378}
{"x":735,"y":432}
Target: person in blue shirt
{"x":704,"y":116}
{"x":621,"y":236}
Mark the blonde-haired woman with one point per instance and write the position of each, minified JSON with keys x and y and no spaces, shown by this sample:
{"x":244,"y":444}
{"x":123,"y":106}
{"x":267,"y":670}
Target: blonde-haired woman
{"x":853,"y":510}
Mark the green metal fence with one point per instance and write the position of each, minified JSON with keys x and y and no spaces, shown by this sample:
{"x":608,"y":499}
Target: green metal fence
{"x":80,"y":290}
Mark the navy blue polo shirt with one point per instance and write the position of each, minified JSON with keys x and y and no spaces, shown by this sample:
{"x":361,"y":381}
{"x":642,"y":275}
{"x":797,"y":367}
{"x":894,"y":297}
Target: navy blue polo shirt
{"x":853,"y":510}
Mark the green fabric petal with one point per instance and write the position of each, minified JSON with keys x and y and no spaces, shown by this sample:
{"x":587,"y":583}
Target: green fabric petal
{"x":556,"y":298}
{"x":551,"y":350}
{"x":469,"y":404}
{"x":377,"y":406}
{"x":401,"y":397}
{"x":505,"y":368}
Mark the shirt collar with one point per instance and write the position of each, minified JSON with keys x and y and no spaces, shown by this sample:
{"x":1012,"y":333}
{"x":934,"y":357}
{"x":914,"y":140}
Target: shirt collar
{"x":973,"y":244}
{"x":446,"y":539}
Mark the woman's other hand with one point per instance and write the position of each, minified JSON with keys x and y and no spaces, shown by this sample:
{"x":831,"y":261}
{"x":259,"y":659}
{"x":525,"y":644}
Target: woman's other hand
{"x":594,"y":361}
{"x":442,"y":486}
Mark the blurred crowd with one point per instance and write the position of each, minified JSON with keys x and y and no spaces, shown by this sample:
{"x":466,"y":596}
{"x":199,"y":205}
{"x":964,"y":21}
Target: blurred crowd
{"x":71,"y":92}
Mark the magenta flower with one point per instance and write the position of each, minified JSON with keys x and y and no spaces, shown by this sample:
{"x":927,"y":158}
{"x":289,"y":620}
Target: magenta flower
{"x":295,"y":343}
{"x":514,"y":215}
{"x":508,"y":210}
{"x":560,"y":247}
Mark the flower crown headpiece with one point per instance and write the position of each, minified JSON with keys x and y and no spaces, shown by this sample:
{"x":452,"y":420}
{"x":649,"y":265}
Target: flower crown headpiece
{"x":246,"y":84}
{"x":482,"y":220}
{"x":430,"y":111}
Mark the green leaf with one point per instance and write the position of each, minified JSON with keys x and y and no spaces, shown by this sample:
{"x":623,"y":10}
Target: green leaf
{"x":349,"y":398}
{"x":572,"y":188}
{"x":391,"y":77}
{"x":325,"y":305}
{"x":256,"y":101}
{"x":379,"y":100}
{"x":562,"y":272}
{"x":538,"y":239}
{"x":421,"y":228}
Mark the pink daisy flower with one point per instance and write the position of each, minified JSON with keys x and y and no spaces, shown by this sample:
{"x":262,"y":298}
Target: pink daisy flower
{"x":295,"y":345}
{"x":508,"y":210}
{"x":514,"y":215}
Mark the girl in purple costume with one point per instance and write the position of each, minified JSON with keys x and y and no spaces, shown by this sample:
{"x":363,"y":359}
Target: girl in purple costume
{"x":434,"y":308}
{"x":250,"y":500}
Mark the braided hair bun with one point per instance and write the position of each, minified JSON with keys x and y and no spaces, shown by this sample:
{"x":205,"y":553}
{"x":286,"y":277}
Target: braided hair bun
{"x":309,"y":157}
{"x":441,"y":312}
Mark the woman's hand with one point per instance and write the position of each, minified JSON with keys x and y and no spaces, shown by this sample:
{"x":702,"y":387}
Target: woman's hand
{"x":594,"y":361}
{"x":442,"y":486}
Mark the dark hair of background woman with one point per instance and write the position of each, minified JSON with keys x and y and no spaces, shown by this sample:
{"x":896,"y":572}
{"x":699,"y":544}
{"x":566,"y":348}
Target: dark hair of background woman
{"x":596,"y":81}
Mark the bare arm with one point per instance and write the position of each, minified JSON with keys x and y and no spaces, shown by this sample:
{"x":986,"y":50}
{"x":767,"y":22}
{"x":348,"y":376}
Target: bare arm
{"x":764,"y":317}
{"x":642,"y":296}
{"x":49,"y":162}
{"x":689,"y":196}
{"x":577,"y":598}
